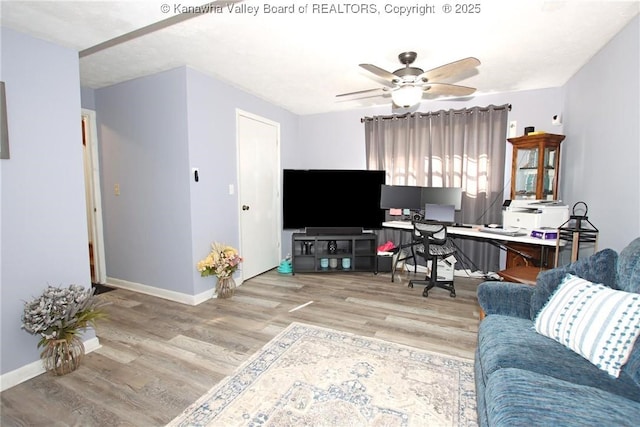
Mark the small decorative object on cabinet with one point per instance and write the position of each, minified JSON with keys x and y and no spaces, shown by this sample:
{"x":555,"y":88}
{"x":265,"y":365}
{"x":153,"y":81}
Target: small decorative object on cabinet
{"x":333,"y":253}
{"x":535,"y":166}
{"x":59,"y":316}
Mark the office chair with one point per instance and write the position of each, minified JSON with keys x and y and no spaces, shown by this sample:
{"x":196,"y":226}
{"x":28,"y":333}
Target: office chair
{"x":435,"y":246}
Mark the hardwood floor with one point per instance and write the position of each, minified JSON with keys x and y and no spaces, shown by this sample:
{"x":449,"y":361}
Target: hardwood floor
{"x":157,"y":356}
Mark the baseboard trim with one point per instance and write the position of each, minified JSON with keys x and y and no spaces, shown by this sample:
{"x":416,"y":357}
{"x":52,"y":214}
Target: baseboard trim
{"x":164,"y":293}
{"x":33,"y":369}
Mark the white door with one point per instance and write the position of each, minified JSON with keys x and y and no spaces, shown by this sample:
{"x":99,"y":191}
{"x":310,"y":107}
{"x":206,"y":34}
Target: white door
{"x":258,"y":193}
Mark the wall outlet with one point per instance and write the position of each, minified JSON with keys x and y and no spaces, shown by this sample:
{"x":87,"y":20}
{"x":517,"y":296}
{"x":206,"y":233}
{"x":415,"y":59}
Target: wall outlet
{"x":116,"y":189}
{"x":557,"y":119}
{"x":513,"y":129}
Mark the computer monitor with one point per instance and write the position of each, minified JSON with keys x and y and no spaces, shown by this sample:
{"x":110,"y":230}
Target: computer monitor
{"x":442,"y":196}
{"x":401,"y":197}
{"x":440,"y":213}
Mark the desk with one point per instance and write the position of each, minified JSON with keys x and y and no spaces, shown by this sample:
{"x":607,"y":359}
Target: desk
{"x":477,"y":234}
{"x":500,"y":240}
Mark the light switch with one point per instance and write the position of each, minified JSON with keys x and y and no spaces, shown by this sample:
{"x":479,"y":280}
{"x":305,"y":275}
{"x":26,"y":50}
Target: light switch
{"x":116,"y":189}
{"x":231,"y":189}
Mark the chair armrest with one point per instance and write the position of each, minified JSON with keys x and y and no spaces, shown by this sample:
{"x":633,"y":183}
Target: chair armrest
{"x":508,"y":299}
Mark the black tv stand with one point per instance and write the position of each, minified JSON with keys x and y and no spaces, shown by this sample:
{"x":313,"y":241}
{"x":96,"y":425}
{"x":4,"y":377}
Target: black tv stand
{"x":333,"y":231}
{"x":333,"y":253}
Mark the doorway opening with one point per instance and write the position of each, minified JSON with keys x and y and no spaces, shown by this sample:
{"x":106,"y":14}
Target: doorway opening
{"x":93,"y":199}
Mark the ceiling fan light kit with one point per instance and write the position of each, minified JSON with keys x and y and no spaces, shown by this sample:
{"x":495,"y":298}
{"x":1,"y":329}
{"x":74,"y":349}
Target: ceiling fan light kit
{"x":407,"y":96}
{"x":407,"y":84}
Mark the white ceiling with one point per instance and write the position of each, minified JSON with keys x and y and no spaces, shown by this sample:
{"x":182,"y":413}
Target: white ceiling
{"x":300,"y":61}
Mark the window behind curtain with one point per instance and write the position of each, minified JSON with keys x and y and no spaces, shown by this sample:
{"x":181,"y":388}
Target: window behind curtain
{"x":455,"y":148}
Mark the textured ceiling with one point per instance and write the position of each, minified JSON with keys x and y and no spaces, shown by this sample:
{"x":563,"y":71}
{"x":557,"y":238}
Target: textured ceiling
{"x":300,"y":60}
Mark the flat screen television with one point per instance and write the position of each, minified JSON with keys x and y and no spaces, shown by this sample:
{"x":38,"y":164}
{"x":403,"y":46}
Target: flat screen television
{"x":332,"y":200}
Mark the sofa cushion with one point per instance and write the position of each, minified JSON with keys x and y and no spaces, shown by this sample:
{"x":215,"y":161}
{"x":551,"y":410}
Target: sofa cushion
{"x":598,"y":268}
{"x":629,"y":267}
{"x":599,"y":323}
{"x":510,"y":342}
{"x":516,"y":397}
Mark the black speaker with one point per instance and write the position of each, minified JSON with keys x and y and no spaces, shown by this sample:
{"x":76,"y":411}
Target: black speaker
{"x":337,"y":231}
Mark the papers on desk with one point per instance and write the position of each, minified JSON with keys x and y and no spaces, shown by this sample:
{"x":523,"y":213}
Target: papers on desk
{"x":513,"y":232}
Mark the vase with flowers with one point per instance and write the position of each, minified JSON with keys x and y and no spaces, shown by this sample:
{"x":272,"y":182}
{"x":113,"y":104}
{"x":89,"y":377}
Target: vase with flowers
{"x":60,"y":315}
{"x":222,"y":262}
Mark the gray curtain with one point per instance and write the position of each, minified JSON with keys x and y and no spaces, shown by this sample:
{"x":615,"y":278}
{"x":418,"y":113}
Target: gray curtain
{"x":455,"y":148}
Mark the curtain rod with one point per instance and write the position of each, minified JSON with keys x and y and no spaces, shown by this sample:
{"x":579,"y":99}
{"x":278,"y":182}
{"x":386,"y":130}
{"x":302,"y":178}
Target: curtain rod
{"x":464,"y":110}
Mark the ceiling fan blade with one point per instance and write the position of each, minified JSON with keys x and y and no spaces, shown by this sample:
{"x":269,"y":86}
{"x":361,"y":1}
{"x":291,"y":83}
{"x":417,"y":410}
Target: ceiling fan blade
{"x":362,"y":92}
{"x":384,"y":74}
{"x":449,"y":70}
{"x":448,"y":89}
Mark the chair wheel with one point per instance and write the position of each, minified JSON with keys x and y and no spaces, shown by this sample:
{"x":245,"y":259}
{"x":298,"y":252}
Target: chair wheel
{"x":410,"y":285}
{"x":453,"y":294}
{"x":425,"y":293}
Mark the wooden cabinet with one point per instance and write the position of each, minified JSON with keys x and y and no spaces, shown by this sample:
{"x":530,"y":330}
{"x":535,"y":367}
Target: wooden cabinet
{"x":535,"y":166}
{"x":522,"y":255}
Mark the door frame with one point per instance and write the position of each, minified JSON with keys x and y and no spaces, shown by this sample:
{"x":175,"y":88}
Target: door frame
{"x":278,"y":195}
{"x":95,"y":225}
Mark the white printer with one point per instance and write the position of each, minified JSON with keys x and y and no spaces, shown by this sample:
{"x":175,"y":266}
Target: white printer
{"x":534,"y":214}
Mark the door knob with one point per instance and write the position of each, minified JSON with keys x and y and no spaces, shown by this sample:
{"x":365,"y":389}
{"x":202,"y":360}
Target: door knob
{"x":245,"y":207}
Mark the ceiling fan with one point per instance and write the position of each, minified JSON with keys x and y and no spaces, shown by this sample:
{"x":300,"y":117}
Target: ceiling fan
{"x":407,"y":84}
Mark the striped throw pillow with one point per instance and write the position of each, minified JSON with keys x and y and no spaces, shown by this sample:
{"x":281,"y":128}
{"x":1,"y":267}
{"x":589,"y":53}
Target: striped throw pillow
{"x":599,"y":323}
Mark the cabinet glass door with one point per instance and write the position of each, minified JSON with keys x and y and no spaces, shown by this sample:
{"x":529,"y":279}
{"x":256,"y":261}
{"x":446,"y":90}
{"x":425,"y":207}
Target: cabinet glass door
{"x":535,"y":166}
{"x":526,"y":173}
{"x":549,"y":173}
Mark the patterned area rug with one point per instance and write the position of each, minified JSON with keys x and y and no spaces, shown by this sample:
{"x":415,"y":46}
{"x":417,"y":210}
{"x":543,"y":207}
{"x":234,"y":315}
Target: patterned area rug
{"x":312,"y":376}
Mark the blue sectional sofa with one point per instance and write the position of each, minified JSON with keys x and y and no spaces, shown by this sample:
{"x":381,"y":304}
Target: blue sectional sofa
{"x":524,"y":378}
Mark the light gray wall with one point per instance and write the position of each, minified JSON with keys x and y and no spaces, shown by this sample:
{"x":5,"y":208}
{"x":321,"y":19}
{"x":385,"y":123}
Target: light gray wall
{"x":212,"y":107}
{"x":152,"y":132}
{"x":143,"y":146}
{"x":602,"y":149}
{"x":44,"y":226}
{"x":88,"y":98}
